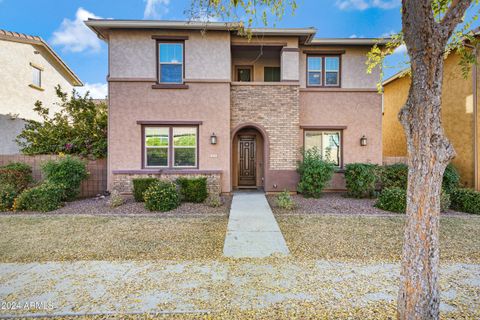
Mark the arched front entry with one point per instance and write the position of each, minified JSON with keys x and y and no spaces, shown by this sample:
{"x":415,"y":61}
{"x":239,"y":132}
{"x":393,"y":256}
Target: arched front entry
{"x":249,"y":156}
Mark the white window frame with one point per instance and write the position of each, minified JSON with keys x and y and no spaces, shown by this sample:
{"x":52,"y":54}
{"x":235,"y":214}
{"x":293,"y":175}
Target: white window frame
{"x":320,"y":148}
{"x":160,"y":63}
{"x":184,"y":147}
{"x":145,"y":147}
{"x":36,"y":69}
{"x":314,"y":70}
{"x":337,"y":71}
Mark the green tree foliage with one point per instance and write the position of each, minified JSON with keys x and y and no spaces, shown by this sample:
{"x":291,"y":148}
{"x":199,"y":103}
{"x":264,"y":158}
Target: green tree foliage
{"x":80,"y":128}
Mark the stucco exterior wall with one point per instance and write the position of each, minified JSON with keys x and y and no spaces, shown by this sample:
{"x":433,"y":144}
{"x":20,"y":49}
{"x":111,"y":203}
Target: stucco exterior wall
{"x":354,"y":72}
{"x":10,"y":128}
{"x":137,"y":101}
{"x":359,"y":112}
{"x":133,"y":54}
{"x":290,"y":61}
{"x":457,"y":117}
{"x":16,"y":97}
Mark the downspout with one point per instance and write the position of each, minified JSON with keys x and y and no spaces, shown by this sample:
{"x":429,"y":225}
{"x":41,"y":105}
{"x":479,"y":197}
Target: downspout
{"x":475,"y":118}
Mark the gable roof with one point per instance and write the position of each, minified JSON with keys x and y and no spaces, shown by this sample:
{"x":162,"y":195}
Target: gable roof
{"x":101,"y":27}
{"x":36,"y":40}
{"x":398,"y":75}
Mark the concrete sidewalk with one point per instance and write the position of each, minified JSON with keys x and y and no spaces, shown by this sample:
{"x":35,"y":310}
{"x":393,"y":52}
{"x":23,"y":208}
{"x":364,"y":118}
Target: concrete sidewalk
{"x":252,"y":229}
{"x":109,"y":287}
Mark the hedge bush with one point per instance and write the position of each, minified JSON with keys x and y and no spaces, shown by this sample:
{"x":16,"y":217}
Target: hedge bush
{"x":161,"y":196}
{"x":392,"y":199}
{"x":193,"y":189}
{"x":140,"y":185}
{"x":361,"y":179}
{"x":285,"y":201}
{"x":394,"y":176}
{"x":466,"y":200}
{"x":68,"y":171}
{"x":45,"y":197}
{"x":395,"y":200}
{"x":314,"y":172}
{"x":451,"y":179}
{"x":16,"y":174}
{"x":7,"y":197}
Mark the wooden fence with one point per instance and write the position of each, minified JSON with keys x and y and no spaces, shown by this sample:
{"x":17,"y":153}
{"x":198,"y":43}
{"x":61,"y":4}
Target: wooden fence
{"x":96,"y":182}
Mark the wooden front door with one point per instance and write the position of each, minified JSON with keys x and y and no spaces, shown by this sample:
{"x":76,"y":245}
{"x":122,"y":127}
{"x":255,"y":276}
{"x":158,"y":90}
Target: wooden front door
{"x":247,"y":173}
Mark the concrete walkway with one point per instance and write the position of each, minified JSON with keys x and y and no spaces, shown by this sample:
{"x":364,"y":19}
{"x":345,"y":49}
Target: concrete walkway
{"x":252,"y":229}
{"x":109,"y":287}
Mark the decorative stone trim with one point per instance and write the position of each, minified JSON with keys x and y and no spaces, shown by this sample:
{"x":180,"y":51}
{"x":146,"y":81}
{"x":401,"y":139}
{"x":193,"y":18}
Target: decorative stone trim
{"x":122,"y":179}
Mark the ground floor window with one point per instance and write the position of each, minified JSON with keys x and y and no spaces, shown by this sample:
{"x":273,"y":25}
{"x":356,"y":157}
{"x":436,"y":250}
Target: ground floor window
{"x":170,"y":146}
{"x":328,"y":143}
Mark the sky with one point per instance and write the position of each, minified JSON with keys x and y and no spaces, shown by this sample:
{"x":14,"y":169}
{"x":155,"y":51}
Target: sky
{"x":60,"y":23}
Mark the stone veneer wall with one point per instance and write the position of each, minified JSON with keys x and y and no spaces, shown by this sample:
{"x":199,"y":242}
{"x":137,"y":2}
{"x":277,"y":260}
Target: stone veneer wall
{"x":122,"y":182}
{"x":275,"y":108}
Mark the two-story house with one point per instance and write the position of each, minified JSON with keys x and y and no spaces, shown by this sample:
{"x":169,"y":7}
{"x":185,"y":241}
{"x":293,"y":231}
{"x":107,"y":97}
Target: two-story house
{"x":189,"y":98}
{"x":30,"y":72}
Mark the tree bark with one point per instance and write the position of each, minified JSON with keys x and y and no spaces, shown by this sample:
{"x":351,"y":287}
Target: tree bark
{"x":429,"y":152}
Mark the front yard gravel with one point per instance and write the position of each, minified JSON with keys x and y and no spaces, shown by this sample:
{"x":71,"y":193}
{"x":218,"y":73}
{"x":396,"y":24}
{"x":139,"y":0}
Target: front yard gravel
{"x":99,"y":206}
{"x":335,"y":203}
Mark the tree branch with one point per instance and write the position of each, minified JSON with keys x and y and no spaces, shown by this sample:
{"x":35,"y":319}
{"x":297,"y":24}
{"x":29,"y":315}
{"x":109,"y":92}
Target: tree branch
{"x":454,"y":15}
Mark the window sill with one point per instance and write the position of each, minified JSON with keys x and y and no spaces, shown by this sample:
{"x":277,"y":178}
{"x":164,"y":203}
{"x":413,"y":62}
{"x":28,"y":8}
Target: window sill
{"x":36,"y":87}
{"x":169,"y":86}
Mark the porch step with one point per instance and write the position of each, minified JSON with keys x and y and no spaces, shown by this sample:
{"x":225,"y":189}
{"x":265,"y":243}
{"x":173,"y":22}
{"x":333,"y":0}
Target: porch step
{"x":252,"y":230}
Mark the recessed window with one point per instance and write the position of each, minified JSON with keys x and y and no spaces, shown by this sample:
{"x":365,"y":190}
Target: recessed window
{"x":37,"y":76}
{"x":271,"y":74}
{"x":323,"y":71}
{"x":244,"y":73}
{"x":170,"y":147}
{"x":328,"y":143}
{"x":170,"y":67}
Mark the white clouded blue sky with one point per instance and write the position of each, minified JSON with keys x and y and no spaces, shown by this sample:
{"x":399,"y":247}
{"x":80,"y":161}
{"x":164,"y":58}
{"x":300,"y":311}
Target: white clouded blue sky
{"x":60,"y":23}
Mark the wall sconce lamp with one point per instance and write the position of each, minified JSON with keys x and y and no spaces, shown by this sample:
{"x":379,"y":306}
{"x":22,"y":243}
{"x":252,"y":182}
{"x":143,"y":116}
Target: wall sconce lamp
{"x":213,"y":138}
{"x":363,"y":141}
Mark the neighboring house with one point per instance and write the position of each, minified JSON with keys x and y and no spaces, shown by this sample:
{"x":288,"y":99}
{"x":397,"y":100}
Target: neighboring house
{"x":30,"y":72}
{"x":183,"y":101}
{"x":460,"y":118}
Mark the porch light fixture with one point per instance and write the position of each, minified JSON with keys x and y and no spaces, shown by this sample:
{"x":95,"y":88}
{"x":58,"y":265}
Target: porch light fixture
{"x":213,"y":138}
{"x":363,"y":141}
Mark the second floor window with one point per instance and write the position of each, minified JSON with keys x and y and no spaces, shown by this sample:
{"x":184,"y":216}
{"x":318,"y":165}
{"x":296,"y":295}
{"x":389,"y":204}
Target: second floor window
{"x":323,"y":71}
{"x":170,"y":66}
{"x":37,"y":77}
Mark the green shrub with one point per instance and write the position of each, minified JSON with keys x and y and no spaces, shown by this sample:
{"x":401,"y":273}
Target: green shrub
{"x":451,"y":179}
{"x":68,"y":171}
{"x":193,"y":189}
{"x":465,"y":200}
{"x":314,"y":172}
{"x":44,"y":197}
{"x":214,"y":201}
{"x":395,"y":200}
{"x":7,"y":197}
{"x":394,"y":176}
{"x":16,"y":174}
{"x":361,"y":179}
{"x":285,"y":201}
{"x":392,"y":199}
{"x":140,"y":185}
{"x":161,"y":196}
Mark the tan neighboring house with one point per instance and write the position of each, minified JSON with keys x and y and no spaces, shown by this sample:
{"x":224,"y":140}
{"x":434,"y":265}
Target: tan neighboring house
{"x":183,"y":101}
{"x":460,"y":117}
{"x":30,"y":72}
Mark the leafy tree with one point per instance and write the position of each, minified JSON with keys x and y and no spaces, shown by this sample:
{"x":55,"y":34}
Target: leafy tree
{"x":80,"y":128}
{"x":429,"y":31}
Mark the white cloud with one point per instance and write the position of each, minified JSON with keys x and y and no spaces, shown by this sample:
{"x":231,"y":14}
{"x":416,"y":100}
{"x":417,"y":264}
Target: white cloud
{"x":74,"y":35}
{"x":204,"y":16}
{"x":97,"y":90}
{"x":367,"y":4}
{"x":155,"y":9}
{"x":400,"y":49}
{"x":353,"y":36}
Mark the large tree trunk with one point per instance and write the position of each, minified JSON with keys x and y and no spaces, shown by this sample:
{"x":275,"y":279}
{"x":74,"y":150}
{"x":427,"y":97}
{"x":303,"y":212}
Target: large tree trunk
{"x":429,"y":152}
